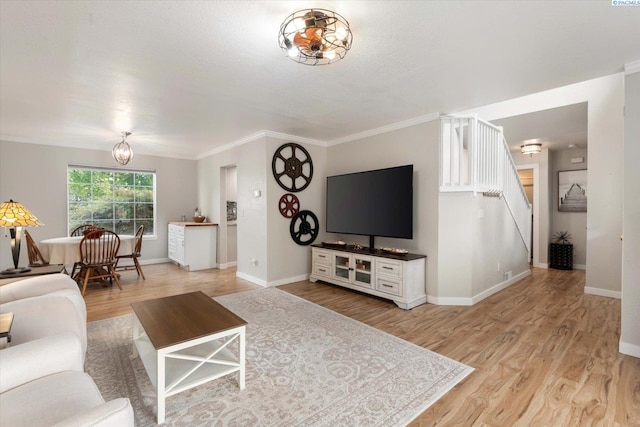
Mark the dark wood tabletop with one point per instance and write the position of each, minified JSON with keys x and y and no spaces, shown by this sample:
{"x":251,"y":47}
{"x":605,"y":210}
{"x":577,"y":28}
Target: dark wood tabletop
{"x":35,"y":271}
{"x":180,"y":318}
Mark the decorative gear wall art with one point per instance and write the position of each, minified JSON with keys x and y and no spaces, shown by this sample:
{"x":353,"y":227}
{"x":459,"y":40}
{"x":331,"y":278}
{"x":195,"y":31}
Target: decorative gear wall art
{"x":292,"y":167}
{"x":304,"y":228}
{"x":289,"y":205}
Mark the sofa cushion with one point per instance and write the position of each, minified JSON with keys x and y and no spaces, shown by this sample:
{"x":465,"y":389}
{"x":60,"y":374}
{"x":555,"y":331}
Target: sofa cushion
{"x":20,"y":364}
{"x":49,"y":400}
{"x":36,"y":286}
{"x":43,"y":316}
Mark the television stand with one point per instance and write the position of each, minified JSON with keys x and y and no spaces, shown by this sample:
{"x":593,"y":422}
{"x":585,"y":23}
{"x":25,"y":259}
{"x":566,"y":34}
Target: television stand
{"x":398,"y":277}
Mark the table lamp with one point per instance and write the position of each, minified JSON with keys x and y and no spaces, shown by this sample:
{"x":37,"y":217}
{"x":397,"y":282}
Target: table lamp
{"x":15,"y":216}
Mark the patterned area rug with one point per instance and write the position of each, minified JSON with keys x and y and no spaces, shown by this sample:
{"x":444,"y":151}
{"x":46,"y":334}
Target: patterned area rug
{"x":306,"y":366}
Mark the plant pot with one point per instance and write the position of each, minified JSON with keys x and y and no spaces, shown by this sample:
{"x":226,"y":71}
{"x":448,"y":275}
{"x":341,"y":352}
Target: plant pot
{"x":561,"y":256}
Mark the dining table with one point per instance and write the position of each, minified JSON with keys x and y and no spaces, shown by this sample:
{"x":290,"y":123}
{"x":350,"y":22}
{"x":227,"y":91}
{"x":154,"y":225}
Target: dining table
{"x":66,"y":250}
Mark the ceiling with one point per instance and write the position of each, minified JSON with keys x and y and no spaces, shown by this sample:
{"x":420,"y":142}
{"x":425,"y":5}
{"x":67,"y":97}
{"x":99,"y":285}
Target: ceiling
{"x":189,"y":77}
{"x":556,"y":129}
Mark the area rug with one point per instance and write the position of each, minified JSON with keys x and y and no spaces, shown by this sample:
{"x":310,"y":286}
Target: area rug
{"x":306,"y":366}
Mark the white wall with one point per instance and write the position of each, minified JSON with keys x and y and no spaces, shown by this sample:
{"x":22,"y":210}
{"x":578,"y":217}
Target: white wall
{"x":42,"y":187}
{"x":288,"y":261}
{"x":417,"y":145}
{"x":249,"y":159}
{"x":478,"y":243}
{"x":630,"y":333}
{"x":605,"y":130}
{"x":573,"y":222}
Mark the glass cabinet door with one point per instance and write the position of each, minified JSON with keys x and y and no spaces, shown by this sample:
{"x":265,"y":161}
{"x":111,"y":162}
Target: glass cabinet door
{"x":341,"y":267}
{"x":363,"y":271}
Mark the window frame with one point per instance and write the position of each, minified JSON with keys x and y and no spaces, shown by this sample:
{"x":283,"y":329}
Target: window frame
{"x":146,"y":236}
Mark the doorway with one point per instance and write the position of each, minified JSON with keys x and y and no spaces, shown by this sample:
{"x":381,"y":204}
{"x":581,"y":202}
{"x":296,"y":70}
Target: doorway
{"x":230,"y":213}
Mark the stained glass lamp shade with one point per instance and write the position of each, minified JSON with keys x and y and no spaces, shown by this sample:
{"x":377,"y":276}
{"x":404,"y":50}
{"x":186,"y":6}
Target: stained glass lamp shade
{"x":15,"y":216}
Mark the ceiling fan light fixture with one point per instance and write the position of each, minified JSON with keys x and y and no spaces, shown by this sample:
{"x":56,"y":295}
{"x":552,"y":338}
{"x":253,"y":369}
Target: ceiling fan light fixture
{"x":122,"y":151}
{"x":531,"y":148}
{"x":315,"y":37}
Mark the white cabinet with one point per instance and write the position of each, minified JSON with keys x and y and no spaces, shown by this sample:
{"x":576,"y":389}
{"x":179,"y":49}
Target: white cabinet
{"x":400,"y":278}
{"x":193,"y":245}
{"x":356,"y":270}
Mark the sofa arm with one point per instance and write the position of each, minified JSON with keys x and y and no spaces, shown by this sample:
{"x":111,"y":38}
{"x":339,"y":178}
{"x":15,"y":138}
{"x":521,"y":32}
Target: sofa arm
{"x":117,"y":412}
{"x":38,"y":358}
{"x":37,"y":286}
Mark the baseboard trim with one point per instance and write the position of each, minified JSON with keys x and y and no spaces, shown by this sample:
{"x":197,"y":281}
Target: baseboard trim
{"x":154,"y":261}
{"x":541,"y":265}
{"x":629,"y":349}
{"x":449,"y":300}
{"x":293,"y":279}
{"x":228,"y":265}
{"x":251,"y":279}
{"x":479,"y":297}
{"x":603,"y":292}
{"x":500,"y":286}
{"x":579,"y":267}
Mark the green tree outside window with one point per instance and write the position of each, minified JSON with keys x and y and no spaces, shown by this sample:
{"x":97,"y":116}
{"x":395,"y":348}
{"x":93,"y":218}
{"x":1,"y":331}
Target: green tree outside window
{"x":118,"y":201}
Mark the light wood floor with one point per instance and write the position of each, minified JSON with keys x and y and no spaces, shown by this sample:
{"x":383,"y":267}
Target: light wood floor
{"x":544,"y":353}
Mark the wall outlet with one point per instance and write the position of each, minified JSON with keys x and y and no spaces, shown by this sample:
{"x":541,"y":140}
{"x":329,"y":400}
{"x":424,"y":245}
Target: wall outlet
{"x":254,"y":262}
{"x":507,"y":275}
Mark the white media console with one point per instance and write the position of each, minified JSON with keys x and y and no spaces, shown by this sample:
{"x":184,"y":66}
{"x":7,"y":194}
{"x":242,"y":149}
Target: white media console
{"x":400,"y":278}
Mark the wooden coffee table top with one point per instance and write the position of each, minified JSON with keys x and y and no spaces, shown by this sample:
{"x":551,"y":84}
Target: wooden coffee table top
{"x":180,"y":318}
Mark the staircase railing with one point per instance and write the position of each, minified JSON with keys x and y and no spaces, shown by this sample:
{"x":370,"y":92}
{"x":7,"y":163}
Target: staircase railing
{"x":474,"y":156}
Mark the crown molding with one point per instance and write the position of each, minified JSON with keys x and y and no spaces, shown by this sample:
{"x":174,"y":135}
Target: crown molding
{"x":632,"y":67}
{"x":234,"y":144}
{"x":384,"y":129}
{"x":259,"y":135}
{"x":294,"y":138}
{"x":311,"y":141}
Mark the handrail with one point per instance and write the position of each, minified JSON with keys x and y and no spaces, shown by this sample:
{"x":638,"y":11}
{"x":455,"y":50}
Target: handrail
{"x":474,"y":156}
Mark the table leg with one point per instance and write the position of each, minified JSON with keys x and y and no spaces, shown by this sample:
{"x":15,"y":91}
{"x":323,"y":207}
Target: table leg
{"x":136,"y":334}
{"x":242,"y":357}
{"x":160,"y":386}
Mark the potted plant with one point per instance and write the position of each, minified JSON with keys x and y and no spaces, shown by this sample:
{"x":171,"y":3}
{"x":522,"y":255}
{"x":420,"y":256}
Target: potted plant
{"x":561,"y":251}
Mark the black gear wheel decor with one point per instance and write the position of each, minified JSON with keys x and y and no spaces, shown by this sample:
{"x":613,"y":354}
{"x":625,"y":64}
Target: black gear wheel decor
{"x":289,"y":205}
{"x":292,"y":167}
{"x":304,"y":228}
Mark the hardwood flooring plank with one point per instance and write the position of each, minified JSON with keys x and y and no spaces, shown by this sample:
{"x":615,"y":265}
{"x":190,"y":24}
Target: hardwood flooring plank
{"x":544,"y":353}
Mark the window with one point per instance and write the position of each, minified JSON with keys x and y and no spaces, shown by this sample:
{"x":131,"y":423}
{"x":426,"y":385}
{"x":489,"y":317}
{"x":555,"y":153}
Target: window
{"x":114,"y":199}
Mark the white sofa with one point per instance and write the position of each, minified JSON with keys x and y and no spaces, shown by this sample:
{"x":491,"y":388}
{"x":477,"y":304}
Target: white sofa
{"x":42,"y":378}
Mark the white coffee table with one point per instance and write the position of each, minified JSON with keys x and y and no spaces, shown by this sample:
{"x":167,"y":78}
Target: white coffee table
{"x":187,"y":340}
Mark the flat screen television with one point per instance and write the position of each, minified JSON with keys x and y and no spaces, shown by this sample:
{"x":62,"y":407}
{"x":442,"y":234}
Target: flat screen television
{"x":372,"y":203}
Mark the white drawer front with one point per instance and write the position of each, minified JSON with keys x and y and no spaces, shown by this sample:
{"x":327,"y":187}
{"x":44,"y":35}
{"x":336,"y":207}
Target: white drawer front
{"x":389,"y":267}
{"x":389,"y":286}
{"x":322,"y":270}
{"x":322,"y":257}
{"x":176,"y":229}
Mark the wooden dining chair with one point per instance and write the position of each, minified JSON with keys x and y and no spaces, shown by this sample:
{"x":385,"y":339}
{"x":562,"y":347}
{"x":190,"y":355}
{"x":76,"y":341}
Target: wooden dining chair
{"x":79,"y":230}
{"x":98,"y":257}
{"x":35,"y":256}
{"x":134,"y":255}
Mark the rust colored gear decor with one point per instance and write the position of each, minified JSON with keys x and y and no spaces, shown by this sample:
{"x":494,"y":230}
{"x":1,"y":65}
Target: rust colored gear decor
{"x":289,"y":205}
{"x":304,"y":228}
{"x":292,"y":167}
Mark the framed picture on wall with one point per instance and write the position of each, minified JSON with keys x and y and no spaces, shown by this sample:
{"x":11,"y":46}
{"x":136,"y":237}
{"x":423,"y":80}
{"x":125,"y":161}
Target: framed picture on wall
{"x":572,"y":191}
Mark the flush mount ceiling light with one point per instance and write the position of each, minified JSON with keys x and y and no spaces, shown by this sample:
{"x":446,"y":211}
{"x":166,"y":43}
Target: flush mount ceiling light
{"x":122,"y":151}
{"x":531,"y":148}
{"x":315,"y":37}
